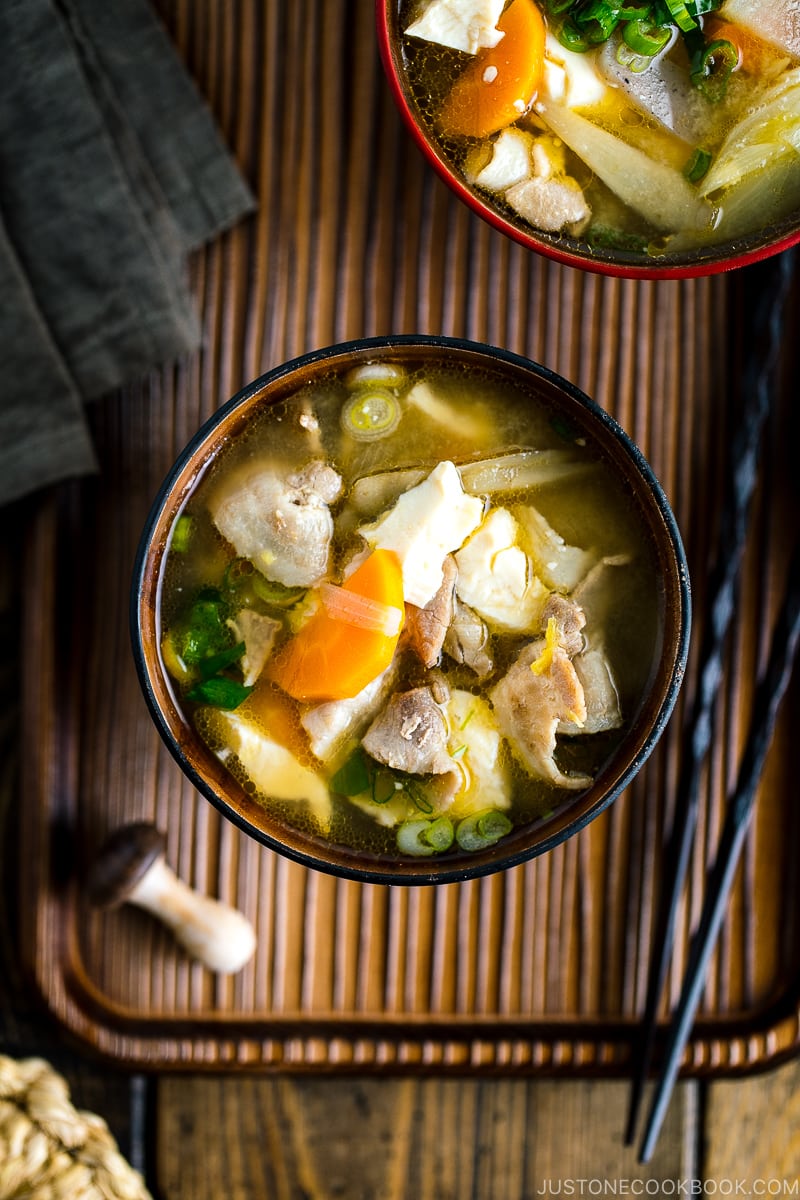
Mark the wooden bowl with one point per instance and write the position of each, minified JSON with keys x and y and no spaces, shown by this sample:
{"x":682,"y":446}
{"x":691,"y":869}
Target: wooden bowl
{"x":568,"y":405}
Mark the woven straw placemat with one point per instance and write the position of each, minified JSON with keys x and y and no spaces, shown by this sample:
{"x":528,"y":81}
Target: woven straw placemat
{"x":48,"y":1149}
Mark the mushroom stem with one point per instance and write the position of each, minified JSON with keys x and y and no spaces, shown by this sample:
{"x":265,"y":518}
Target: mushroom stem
{"x":214,"y":933}
{"x":131,"y":867}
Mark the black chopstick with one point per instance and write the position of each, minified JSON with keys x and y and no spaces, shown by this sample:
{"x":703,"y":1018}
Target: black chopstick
{"x":773,"y":280}
{"x":740,"y":806}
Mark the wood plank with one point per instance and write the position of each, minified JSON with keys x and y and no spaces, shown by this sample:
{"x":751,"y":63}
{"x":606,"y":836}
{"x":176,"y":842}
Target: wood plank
{"x":752,"y":1130}
{"x":403,"y":1138}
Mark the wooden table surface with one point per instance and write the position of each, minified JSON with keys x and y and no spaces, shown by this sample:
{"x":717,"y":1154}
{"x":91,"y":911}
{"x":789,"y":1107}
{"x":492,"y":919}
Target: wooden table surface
{"x":198,"y":1134}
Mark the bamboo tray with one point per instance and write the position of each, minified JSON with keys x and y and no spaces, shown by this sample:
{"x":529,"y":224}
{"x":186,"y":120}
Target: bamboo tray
{"x":542,"y":969}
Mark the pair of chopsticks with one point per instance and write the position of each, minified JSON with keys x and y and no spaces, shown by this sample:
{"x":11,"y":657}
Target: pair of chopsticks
{"x":742,"y":477}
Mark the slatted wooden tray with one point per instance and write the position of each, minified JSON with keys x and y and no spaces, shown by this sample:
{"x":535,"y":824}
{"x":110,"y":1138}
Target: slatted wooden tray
{"x":542,"y":969}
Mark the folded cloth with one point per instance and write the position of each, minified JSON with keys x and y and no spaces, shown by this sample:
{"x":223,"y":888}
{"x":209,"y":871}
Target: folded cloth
{"x":43,"y":433}
{"x":111,"y":169}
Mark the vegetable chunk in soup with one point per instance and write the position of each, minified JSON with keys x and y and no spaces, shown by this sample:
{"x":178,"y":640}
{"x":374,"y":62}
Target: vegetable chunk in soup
{"x":408,"y":608}
{"x":648,"y":127}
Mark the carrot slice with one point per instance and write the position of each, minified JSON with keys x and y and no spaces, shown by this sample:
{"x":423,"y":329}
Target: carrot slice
{"x":499,"y":84}
{"x":330,"y":659}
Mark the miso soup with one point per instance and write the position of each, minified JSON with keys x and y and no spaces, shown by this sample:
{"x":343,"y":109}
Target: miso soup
{"x":409,"y":608}
{"x":641,"y":129}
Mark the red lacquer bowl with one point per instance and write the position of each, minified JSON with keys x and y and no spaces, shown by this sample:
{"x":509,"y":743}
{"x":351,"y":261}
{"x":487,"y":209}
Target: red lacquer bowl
{"x":709,"y":260}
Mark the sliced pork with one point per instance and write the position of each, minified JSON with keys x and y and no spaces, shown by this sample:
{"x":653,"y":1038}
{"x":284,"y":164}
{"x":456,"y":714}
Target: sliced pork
{"x":426,"y":627}
{"x":410,"y":735}
{"x":282,"y":524}
{"x":529,"y":703}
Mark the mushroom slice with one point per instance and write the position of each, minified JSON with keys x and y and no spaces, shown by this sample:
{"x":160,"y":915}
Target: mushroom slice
{"x":467,"y":639}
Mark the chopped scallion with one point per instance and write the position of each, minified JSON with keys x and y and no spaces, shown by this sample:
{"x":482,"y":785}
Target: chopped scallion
{"x":712,"y":68}
{"x":573,"y":38}
{"x":439,"y":834}
{"x":697,"y":166}
{"x":201,"y":630}
{"x":370,"y":414}
{"x":219,"y":692}
{"x":410,"y":839}
{"x":423,"y":838}
{"x":632,"y":61}
{"x":648,"y":27}
{"x":243,"y":581}
{"x":218,"y":662}
{"x":644,"y":37}
{"x":681,"y":15}
{"x":383,"y":787}
{"x":482,"y":830}
{"x":181,"y":534}
{"x":353,"y":777}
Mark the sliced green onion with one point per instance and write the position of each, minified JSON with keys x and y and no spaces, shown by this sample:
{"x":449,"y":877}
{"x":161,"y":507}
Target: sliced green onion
{"x":410,"y":839}
{"x":202,"y":630}
{"x":421,"y":800}
{"x":218,"y":662}
{"x":370,"y":414}
{"x":238,"y":572}
{"x":681,"y":15}
{"x":635,"y":12}
{"x":493,"y":824}
{"x":383,"y":787}
{"x":353,"y":776}
{"x":697,"y":166}
{"x":423,"y":838}
{"x":249,"y":586}
{"x":700,"y":7}
{"x":482,"y":830}
{"x":598,"y":21}
{"x":439,"y":834}
{"x":467,"y":718}
{"x":631,"y":60}
{"x":711,"y":70}
{"x":607,"y":238}
{"x":585,"y":23}
{"x":219,"y":692}
{"x":175,"y":664}
{"x":279,"y":595}
{"x":572,"y":38}
{"x":644,"y":37}
{"x":181,"y":534}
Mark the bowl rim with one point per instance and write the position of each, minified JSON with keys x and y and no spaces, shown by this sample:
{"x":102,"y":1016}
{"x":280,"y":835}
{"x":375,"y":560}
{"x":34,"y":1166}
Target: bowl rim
{"x":421,"y":871}
{"x":740,"y":257}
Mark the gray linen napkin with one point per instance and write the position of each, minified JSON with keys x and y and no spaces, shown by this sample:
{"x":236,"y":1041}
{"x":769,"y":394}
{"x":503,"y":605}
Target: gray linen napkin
{"x":111,"y":170}
{"x":43,"y":433}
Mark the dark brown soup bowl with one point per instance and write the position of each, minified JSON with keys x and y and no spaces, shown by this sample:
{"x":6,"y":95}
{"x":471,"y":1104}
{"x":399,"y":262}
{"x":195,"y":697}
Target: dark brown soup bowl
{"x":574,"y":421}
{"x":620,"y":259}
